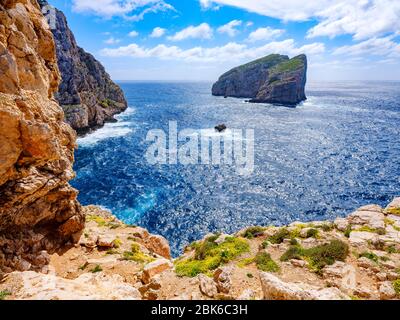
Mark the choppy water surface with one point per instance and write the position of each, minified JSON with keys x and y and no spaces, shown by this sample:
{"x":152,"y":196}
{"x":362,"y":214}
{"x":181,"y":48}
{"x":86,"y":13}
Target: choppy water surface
{"x":338,"y":150}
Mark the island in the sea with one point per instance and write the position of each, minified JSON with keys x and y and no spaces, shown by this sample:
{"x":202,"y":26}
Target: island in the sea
{"x":273,"y":79}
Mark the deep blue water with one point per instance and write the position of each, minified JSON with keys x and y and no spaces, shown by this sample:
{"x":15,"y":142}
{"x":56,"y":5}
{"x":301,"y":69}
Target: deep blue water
{"x":337,"y":151}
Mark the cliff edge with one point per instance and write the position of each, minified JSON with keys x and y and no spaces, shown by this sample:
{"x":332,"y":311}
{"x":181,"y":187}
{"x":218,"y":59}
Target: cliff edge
{"x":272,"y":79}
{"x":38,"y":208}
{"x":86,"y":93}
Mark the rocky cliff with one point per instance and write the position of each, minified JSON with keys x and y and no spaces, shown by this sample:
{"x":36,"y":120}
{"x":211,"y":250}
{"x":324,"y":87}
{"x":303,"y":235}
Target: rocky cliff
{"x":38,"y":208}
{"x":86,"y":93}
{"x":272,"y":79}
{"x":357,"y":257}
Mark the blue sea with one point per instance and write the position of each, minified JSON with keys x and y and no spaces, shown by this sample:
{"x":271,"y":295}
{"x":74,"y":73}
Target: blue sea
{"x":331,"y":154}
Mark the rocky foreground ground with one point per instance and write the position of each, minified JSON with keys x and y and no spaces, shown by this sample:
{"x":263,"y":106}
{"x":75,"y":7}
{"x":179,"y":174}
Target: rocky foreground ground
{"x":357,"y":257}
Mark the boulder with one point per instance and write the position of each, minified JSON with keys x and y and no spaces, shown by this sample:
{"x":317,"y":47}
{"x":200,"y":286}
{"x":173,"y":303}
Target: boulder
{"x":222,"y":277}
{"x":247,"y":294}
{"x":275,"y":289}
{"x":158,"y":245}
{"x":361,"y":238}
{"x":386,"y":291}
{"x":220,"y":128}
{"x":154,"y":268}
{"x":394,"y":207}
{"x":207,"y":286}
{"x":89,"y":286}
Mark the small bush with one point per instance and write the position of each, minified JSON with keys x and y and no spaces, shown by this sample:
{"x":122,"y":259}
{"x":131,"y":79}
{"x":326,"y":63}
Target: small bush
{"x":264,"y":262}
{"x":294,"y":252}
{"x":327,"y":254}
{"x":209,"y":255}
{"x":347,"y":231}
{"x":250,"y":275}
{"x":253,"y":232}
{"x":279,"y":236}
{"x":327,"y":227}
{"x":4,"y":294}
{"x":396,"y":287}
{"x":312,"y":233}
{"x":370,"y":256}
{"x":319,"y":256}
{"x":97,"y":269}
{"x":294,"y":242}
{"x":265,"y":244}
{"x":117,"y":243}
{"x":136,"y":255}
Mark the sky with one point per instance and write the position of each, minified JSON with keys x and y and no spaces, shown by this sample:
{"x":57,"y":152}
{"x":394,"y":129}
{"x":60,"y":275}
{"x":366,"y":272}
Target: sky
{"x":196,"y":40}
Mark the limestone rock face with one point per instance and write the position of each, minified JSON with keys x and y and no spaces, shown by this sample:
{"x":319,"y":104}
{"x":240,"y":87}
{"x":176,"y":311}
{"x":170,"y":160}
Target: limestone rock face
{"x":38,"y":208}
{"x":275,"y":289}
{"x":86,"y":93}
{"x":272,"y":79}
{"x":89,"y":286}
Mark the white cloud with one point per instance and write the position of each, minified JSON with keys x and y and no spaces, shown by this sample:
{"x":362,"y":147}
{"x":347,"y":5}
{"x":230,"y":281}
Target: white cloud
{"x":361,"y":18}
{"x":263,"y":34}
{"x":112,"y":40}
{"x":230,"y":28}
{"x":374,"y":46}
{"x":133,"y":34}
{"x":229,"y":52}
{"x":134,"y":10}
{"x":202,"y":31}
{"x":249,"y":24}
{"x":158,"y":32}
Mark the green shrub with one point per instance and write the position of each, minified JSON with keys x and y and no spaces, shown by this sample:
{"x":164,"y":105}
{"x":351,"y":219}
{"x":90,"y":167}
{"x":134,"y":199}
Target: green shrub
{"x":209,"y":255}
{"x":347,"y":231}
{"x":294,"y":242}
{"x":370,"y":255}
{"x":136,"y":255}
{"x":327,"y":254}
{"x":264,"y":244}
{"x":294,"y":252}
{"x":96,"y":269}
{"x":4,"y":294}
{"x":253,"y":232}
{"x":264,"y":262}
{"x":396,"y":286}
{"x":319,"y":256}
{"x":279,"y":236}
{"x":312,"y":233}
{"x":250,"y":275}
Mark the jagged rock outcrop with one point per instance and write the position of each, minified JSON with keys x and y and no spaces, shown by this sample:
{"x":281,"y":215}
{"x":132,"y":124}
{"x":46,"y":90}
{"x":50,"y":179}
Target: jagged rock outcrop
{"x":272,"y":79}
{"x":38,"y":208}
{"x":86,"y":93}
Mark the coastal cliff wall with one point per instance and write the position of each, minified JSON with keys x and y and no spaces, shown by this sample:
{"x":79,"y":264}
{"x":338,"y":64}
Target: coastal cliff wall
{"x":38,"y":208}
{"x":272,"y":79}
{"x":86,"y":93}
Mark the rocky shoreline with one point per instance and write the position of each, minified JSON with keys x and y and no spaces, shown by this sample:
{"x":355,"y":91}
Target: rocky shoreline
{"x":353,"y":258}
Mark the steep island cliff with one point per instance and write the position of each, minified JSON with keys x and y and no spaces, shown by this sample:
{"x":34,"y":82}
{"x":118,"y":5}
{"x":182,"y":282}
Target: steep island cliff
{"x":86,"y":93}
{"x":272,"y":79}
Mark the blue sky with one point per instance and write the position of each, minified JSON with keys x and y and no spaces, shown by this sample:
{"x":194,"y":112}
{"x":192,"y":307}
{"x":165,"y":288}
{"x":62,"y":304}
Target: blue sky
{"x":200,"y":39}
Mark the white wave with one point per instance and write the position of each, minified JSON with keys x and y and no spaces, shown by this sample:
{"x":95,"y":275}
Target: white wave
{"x":110,"y":130}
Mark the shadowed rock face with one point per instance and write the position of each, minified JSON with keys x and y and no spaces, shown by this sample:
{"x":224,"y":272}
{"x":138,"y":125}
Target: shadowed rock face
{"x":38,"y":208}
{"x":272,"y":79}
{"x":86,"y":93}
